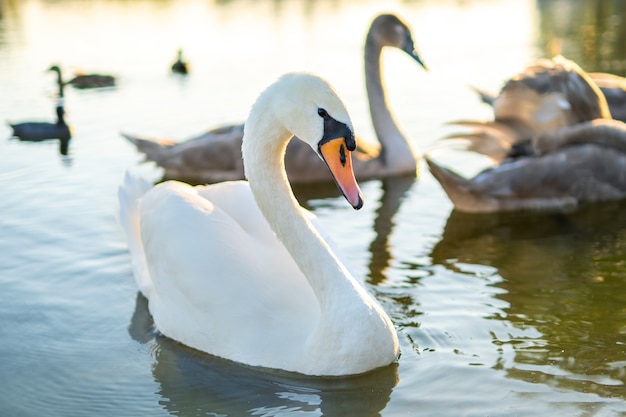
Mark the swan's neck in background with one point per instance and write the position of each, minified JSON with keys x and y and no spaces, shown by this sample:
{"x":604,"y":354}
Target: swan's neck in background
{"x":398,"y":150}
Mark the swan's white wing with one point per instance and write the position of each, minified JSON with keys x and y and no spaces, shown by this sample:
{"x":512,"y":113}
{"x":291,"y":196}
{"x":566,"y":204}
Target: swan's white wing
{"x":130,"y":193}
{"x":222,"y":281}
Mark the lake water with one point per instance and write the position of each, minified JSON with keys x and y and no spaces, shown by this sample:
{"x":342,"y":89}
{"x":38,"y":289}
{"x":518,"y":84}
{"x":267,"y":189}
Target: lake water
{"x":498,"y":315}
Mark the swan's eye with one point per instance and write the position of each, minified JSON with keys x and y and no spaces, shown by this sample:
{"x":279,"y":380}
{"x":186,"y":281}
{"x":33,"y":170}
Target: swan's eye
{"x":323,"y":113}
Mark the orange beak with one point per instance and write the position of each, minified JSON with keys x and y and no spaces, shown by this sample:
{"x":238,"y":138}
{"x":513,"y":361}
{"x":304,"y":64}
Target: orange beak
{"x":339,"y":160}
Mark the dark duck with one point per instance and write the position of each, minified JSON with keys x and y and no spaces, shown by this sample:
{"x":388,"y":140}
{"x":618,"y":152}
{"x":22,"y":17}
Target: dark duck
{"x":84,"y":81}
{"x":40,"y":131}
{"x":180,"y":66}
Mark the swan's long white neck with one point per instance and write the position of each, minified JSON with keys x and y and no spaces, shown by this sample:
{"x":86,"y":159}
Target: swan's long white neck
{"x":264,"y":165}
{"x":398,"y":150}
{"x":347,"y":312}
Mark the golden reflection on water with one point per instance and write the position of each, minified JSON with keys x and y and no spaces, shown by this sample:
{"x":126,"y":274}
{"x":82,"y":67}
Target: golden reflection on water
{"x":563,"y":276}
{"x":591,"y":32}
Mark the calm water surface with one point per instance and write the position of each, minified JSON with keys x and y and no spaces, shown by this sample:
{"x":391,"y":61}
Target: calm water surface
{"x":498,"y":315}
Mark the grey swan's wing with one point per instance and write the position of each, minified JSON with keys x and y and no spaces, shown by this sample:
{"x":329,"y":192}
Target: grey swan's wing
{"x":578,"y":164}
{"x":211,"y":157}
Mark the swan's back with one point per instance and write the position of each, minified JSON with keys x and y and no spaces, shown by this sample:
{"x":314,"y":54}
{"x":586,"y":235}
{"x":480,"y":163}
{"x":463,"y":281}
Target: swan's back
{"x":552,"y":93}
{"x":548,"y":95}
{"x":564,"y":179}
{"x":239,"y":248}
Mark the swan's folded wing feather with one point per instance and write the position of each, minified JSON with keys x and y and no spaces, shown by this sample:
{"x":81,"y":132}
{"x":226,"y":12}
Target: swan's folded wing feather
{"x":235,"y":198}
{"x":129,"y":193}
{"x":192,"y":234}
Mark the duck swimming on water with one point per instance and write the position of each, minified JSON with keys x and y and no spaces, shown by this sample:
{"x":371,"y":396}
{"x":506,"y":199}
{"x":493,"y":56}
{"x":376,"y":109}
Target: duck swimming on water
{"x":85,"y":81}
{"x":180,"y":66}
{"x":42,"y":131}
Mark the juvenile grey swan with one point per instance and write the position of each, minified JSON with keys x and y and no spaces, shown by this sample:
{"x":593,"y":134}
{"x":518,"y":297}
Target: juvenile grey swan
{"x":216,"y":155}
{"x":556,"y":148}
{"x":238,"y":269}
{"x":612,"y":86}
{"x":548,"y":95}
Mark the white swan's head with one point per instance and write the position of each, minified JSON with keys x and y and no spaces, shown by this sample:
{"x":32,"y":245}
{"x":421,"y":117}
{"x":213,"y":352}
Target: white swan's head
{"x":306,"y":106}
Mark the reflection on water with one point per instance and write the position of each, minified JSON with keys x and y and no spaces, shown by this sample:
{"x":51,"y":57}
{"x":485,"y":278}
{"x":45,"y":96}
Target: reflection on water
{"x":563,"y":276}
{"x":393,"y":193}
{"x":591,"y":32}
{"x":195,"y":384}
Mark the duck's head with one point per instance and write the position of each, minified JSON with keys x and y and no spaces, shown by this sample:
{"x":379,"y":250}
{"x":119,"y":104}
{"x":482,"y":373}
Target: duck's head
{"x":308,"y":107}
{"x":389,"y":30}
{"x":55,"y":68}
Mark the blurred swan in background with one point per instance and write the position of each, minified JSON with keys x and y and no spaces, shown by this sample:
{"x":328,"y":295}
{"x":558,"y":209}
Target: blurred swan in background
{"x":238,"y":269}
{"x":554,"y":143}
{"x":612,"y":86}
{"x":216,"y":155}
{"x":548,"y":95}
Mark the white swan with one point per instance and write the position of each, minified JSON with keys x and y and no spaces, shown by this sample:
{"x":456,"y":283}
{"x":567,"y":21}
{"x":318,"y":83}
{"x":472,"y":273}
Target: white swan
{"x":237,"y":269}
